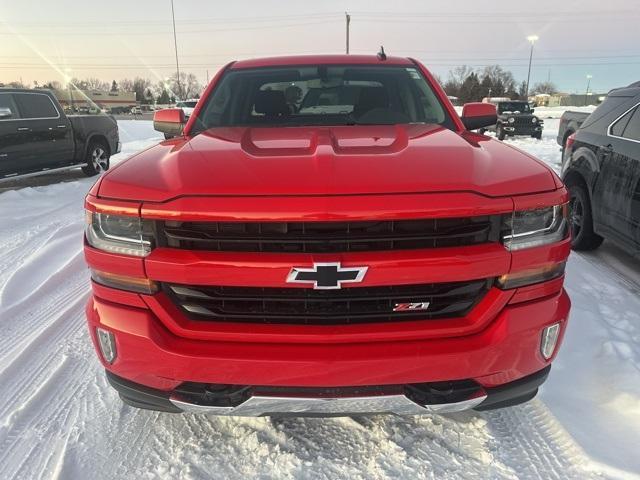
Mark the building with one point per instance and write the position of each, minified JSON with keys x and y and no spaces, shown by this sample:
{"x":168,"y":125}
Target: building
{"x":568,"y":100}
{"x":88,"y":100}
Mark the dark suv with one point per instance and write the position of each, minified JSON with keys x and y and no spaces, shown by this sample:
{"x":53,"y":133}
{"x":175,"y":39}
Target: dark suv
{"x":516,"y":118}
{"x":601,"y":167}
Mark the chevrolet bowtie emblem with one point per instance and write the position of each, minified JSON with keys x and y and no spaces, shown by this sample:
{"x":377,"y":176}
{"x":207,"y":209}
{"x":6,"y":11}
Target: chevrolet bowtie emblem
{"x":326,"y":276}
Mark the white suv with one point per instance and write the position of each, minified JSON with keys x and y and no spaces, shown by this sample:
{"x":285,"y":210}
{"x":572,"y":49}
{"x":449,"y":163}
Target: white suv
{"x":187,"y":106}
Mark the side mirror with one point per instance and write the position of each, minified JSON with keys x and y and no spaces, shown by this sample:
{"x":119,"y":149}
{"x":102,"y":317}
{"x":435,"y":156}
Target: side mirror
{"x":532,"y":110}
{"x":170,"y":121}
{"x":5,"y":113}
{"x":479,"y":115}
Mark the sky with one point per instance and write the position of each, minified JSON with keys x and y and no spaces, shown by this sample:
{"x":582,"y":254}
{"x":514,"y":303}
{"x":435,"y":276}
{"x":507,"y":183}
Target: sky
{"x":43,"y":41}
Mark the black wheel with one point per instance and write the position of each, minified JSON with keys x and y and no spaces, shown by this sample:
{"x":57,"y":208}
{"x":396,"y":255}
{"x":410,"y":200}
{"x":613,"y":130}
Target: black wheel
{"x":580,"y":216}
{"x":97,"y":159}
{"x":500,"y":133}
{"x":482,"y":131}
{"x":537,"y":135}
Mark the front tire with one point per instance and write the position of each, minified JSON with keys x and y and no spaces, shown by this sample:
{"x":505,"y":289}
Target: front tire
{"x":537,"y":135}
{"x":581,"y":218}
{"x":500,"y":133}
{"x":97,"y":159}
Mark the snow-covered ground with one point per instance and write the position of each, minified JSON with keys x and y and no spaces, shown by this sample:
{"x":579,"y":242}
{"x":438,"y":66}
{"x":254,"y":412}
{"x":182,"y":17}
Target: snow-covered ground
{"x":60,"y":419}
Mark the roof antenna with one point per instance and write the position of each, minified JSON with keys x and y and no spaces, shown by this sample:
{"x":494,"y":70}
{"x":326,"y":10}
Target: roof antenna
{"x":381,"y":55}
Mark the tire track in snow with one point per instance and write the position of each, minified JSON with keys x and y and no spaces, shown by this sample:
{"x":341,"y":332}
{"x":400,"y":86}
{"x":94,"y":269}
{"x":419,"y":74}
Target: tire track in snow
{"x":28,"y":324}
{"x":529,"y":441}
{"x":40,"y":429}
{"x":49,"y":265}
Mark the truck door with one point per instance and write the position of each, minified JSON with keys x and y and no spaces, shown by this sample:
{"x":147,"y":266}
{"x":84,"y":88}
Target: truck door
{"x":11,"y":138}
{"x":50,"y":138}
{"x":623,"y":168}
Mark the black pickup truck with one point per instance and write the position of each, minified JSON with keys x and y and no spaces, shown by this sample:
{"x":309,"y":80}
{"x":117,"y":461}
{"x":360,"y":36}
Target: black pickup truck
{"x":570,"y":122}
{"x":37,"y":137}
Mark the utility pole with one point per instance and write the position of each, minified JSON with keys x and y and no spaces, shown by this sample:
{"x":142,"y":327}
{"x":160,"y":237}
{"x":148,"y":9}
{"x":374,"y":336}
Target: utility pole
{"x":348,"y":19}
{"x":175,"y":44}
{"x":532,"y":39}
{"x":586,"y":93}
{"x":207,"y":76}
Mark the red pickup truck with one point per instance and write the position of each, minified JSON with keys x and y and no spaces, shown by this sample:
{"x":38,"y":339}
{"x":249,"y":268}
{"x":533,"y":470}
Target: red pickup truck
{"x":326,"y":236}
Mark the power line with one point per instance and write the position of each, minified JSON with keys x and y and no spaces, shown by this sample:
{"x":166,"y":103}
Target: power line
{"x":76,"y":33}
{"x":510,"y":16}
{"x":484,"y":14}
{"x":201,"y":21}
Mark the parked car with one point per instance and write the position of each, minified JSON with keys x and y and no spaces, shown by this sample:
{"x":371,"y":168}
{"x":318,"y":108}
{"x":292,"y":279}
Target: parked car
{"x":187,"y":106}
{"x":570,"y":122}
{"x":516,"y":118}
{"x":377,"y":257}
{"x":601,"y":168}
{"x":37,"y":137}
{"x":135,"y":111}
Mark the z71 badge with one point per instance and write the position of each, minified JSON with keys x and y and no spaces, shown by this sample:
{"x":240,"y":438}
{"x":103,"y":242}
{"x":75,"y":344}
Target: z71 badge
{"x":413,"y":306}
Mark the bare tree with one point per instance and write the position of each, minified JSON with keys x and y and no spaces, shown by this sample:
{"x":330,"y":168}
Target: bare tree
{"x":126,"y":85}
{"x":544,"y":87}
{"x":91,"y":83}
{"x":457,"y":76}
{"x":52,"y":85}
{"x":188,"y":87}
{"x":499,"y":80}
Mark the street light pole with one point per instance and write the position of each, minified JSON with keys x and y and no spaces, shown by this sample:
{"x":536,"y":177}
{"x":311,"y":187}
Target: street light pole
{"x":532,"y":39}
{"x":586,"y":93}
{"x":348,"y":20}
{"x":175,"y":44}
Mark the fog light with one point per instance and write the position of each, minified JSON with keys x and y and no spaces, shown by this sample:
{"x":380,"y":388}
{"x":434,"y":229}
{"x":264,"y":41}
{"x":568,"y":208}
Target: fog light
{"x":107,"y":342}
{"x":549,"y":340}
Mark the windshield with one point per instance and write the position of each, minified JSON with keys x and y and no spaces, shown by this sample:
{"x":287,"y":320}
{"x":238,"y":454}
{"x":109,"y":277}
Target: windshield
{"x":322,"y":95}
{"x":521,"y":107}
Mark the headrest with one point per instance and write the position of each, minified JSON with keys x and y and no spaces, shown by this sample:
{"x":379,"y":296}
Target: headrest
{"x":370,"y":98}
{"x":271,"y":102}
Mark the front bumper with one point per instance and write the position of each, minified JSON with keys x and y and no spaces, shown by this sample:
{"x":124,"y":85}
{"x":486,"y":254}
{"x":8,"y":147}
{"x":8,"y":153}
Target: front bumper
{"x":249,"y":401}
{"x":504,"y":351}
{"x":521,"y":130}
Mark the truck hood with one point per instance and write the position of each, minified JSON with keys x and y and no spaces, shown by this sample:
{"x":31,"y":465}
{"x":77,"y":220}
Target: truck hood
{"x":345,"y":160}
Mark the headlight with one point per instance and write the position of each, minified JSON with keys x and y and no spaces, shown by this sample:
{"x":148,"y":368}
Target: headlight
{"x":511,"y":120}
{"x":119,"y":234}
{"x":534,"y":120}
{"x":532,"y":228}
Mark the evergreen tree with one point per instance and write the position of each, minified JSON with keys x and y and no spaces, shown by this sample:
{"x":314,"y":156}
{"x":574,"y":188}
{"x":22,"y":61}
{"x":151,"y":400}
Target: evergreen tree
{"x":114,"y":86}
{"x":471,"y":90}
{"x":163,"y":98}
